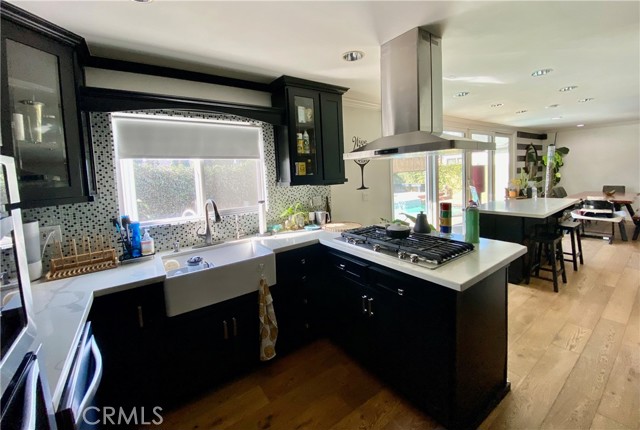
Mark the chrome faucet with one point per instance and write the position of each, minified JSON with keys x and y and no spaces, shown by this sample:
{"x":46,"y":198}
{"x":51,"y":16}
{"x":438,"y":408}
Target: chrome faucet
{"x":207,"y":231}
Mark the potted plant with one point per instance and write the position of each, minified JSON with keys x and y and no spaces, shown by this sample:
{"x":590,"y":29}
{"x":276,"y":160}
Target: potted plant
{"x":295,"y":217}
{"x":557,"y":163}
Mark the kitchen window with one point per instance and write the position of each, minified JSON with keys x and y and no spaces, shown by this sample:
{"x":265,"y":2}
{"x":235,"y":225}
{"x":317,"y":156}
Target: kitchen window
{"x":422,"y":183}
{"x":168,"y":167}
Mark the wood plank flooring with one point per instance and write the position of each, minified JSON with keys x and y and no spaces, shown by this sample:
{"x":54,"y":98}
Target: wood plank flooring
{"x":574,"y":363}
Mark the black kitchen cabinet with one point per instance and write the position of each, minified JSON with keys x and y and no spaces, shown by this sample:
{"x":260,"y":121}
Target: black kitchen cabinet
{"x":309,"y":147}
{"x":445,"y":350}
{"x":210,"y":345}
{"x":129,"y":327}
{"x":294,"y":301}
{"x":41,"y":125}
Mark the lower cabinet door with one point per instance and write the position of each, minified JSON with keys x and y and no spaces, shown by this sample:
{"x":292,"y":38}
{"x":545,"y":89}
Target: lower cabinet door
{"x":245,"y":334}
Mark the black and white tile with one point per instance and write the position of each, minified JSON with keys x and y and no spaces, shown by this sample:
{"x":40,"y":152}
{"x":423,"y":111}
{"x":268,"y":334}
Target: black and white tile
{"x":94,"y":218}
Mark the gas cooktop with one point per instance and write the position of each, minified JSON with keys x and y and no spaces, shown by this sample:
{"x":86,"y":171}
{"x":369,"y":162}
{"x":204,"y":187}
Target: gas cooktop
{"x":424,"y":250}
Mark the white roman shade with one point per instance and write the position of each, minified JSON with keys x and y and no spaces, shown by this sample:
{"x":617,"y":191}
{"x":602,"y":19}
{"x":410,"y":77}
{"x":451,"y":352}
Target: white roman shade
{"x":180,"y":138}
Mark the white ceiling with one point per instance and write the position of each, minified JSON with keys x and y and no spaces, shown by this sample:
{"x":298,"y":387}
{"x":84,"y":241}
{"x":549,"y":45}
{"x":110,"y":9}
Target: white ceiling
{"x":489,"y":48}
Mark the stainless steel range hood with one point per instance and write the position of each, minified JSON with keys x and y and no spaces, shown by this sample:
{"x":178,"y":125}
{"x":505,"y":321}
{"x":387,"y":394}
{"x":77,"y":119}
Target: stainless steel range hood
{"x":411,"y":77}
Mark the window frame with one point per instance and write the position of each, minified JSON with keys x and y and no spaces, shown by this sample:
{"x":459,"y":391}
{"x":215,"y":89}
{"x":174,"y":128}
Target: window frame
{"x":127,"y":194}
{"x":431,"y":174}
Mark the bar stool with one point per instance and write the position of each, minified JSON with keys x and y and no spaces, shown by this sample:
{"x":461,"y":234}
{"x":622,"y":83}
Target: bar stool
{"x":551,"y":243}
{"x":573,"y":228}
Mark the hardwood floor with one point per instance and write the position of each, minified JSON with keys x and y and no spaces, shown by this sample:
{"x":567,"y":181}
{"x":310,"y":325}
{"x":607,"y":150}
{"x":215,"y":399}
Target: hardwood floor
{"x":574,"y":363}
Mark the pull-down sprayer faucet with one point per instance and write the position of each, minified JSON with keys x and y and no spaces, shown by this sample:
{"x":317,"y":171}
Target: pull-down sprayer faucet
{"x":207,"y":232}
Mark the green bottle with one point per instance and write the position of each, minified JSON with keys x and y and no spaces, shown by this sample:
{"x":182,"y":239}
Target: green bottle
{"x":472,"y":223}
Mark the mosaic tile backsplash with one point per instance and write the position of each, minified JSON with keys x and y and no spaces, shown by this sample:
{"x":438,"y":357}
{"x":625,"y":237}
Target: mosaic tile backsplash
{"x":94,"y":218}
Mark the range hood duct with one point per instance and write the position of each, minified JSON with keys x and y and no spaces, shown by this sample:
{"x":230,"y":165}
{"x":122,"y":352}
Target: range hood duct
{"x":411,"y":77}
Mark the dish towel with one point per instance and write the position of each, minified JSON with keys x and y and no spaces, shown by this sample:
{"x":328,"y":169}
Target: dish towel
{"x":268,"y":323}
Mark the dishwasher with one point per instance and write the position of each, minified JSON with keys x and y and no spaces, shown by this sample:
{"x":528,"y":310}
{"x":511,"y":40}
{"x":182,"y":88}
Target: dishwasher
{"x":77,"y":410}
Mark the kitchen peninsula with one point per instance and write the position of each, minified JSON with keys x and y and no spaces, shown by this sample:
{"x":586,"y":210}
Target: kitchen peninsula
{"x":513,"y":220}
{"x":438,"y":336}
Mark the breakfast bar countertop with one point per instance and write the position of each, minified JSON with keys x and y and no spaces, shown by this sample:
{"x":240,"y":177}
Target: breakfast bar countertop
{"x":527,"y":208}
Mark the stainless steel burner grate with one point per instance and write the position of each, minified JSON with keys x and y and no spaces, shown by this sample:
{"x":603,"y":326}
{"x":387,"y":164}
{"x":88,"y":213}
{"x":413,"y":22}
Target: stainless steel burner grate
{"x":418,"y":248}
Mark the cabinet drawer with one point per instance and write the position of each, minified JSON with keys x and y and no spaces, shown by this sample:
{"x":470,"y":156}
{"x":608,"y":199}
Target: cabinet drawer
{"x":407,"y":286}
{"x":348,"y":267}
{"x":298,"y":264}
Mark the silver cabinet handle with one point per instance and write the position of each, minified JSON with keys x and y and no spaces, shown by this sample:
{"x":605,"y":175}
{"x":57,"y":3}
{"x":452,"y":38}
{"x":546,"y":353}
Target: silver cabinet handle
{"x":303,"y":261}
{"x":369,"y":301}
{"x":364,"y":305}
{"x":140,"y":317}
{"x":341,"y":266}
{"x":225,"y":330}
{"x":400,"y":292}
{"x":235,"y":327}
{"x":304,"y":278}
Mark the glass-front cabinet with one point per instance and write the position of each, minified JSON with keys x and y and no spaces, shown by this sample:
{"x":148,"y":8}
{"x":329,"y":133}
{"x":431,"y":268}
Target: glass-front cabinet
{"x":307,"y":134}
{"x":310,"y":145}
{"x":41,"y":127}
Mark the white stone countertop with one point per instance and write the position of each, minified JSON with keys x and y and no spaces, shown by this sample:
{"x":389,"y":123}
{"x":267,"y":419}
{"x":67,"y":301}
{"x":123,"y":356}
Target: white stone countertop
{"x":527,"y":208}
{"x":62,"y":307}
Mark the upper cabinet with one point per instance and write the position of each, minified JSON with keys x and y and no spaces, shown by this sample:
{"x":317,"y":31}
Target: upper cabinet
{"x":310,"y":145}
{"x":41,"y":124}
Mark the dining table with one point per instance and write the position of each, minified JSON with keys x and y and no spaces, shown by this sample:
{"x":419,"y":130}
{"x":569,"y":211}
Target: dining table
{"x":625,"y":199}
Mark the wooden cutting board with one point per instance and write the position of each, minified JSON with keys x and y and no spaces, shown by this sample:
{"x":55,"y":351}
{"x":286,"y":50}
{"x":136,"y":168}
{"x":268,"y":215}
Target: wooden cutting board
{"x":338,"y":227}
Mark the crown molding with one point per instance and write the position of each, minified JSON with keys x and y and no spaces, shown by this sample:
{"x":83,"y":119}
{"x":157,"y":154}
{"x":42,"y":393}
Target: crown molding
{"x":360,"y":104}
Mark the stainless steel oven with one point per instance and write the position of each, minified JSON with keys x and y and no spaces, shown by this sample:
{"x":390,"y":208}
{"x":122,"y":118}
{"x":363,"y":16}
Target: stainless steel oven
{"x":26,"y":403}
{"x":25,"y":399}
{"x":77,"y":409}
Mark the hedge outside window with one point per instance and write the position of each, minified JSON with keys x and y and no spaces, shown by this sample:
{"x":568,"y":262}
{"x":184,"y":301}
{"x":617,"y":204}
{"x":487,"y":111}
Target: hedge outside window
{"x":167,"y":167}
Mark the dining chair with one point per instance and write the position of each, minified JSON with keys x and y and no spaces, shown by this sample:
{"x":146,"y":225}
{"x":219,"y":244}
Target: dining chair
{"x":617,"y":188}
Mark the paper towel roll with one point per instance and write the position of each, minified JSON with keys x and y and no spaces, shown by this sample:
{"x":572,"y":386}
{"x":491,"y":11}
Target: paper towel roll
{"x":17,"y":124}
{"x":31,"y":231}
{"x":32,"y":241}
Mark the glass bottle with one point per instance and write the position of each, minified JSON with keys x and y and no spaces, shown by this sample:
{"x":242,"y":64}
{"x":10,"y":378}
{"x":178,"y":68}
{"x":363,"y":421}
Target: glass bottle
{"x":305,"y":138}
{"x":299,"y":143}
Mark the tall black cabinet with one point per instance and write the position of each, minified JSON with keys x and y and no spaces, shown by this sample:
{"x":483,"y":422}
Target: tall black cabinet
{"x":310,"y":145}
{"x":41,"y":124}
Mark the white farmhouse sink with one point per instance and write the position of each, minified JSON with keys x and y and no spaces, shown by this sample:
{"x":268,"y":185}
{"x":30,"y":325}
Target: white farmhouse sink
{"x":235,"y":270}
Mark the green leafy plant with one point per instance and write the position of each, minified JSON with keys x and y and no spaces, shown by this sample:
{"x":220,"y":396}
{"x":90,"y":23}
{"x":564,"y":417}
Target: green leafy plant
{"x":295,"y":210}
{"x":523,"y":180}
{"x":558,"y":162}
{"x":395,"y":221}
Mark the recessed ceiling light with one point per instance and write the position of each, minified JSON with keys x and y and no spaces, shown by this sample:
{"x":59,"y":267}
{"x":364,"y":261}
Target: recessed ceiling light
{"x":552,"y":106}
{"x":588,"y":99}
{"x":557,"y":117}
{"x":142,"y":1}
{"x":580,"y":125}
{"x":521,"y":111}
{"x":352,"y":55}
{"x":569,"y":88}
{"x":461,"y":94}
{"x":497,"y":105}
{"x":541,"y":72}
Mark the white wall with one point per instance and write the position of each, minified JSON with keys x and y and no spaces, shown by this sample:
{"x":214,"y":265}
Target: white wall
{"x":112,"y":79}
{"x":605,"y":155}
{"x":347,"y":202}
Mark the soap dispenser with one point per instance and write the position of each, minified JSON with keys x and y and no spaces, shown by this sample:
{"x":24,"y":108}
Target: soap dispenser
{"x":147,"y":244}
